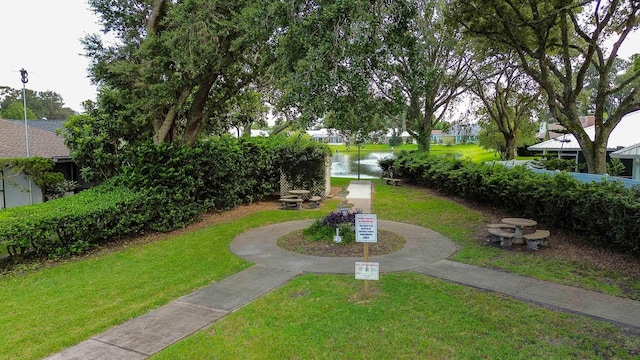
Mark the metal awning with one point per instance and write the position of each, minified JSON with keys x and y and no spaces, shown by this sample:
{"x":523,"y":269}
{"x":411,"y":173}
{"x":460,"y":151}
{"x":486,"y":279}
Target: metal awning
{"x":630,"y":152}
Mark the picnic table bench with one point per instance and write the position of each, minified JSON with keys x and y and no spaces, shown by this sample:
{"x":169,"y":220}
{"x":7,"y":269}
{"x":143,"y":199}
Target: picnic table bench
{"x":503,"y":236}
{"x":537,"y":238}
{"x":392,"y":181}
{"x":291,"y":203}
{"x":314,"y":201}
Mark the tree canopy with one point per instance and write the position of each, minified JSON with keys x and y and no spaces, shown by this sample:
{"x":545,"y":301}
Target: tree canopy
{"x":40,"y":104}
{"x":557,"y":43}
{"x":176,"y":64}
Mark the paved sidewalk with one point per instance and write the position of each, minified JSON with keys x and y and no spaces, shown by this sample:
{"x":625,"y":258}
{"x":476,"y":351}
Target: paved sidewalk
{"x":360,"y":195}
{"x":425,"y":253}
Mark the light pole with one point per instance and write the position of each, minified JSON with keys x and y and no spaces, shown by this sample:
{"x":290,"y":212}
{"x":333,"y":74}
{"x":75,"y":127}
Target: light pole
{"x":24,"y":78}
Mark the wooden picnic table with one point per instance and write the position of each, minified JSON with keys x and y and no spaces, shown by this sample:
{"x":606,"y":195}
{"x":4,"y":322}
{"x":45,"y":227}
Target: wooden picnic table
{"x":519,"y":223}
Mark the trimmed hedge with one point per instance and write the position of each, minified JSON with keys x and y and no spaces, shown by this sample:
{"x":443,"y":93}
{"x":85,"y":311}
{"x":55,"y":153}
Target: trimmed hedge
{"x":72,"y":224}
{"x":607,"y":212}
{"x":162,"y":188}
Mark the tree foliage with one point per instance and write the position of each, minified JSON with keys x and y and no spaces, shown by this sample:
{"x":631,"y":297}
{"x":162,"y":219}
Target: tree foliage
{"x":557,"y":42}
{"x":422,"y":64}
{"x":509,"y":99}
{"x":40,"y":104}
{"x":176,"y":64}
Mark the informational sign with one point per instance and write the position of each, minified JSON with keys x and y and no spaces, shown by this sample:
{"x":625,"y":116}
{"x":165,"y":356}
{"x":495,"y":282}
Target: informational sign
{"x":366,"y":228}
{"x":367,"y":270}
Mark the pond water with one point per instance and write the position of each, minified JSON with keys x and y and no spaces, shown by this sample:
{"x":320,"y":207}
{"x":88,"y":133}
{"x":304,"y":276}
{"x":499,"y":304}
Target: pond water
{"x":346,"y":165}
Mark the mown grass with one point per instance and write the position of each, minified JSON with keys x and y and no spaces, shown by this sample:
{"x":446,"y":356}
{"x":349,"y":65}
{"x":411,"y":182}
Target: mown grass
{"x":57,"y":307}
{"x":469,"y":151}
{"x":459,"y":223}
{"x":409,"y":316}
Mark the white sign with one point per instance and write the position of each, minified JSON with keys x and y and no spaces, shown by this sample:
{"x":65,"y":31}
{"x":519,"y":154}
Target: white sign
{"x":367,"y":270}
{"x":366,"y":228}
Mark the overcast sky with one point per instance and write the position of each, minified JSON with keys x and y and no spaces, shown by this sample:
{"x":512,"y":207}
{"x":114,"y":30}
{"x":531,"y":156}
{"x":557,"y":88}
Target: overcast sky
{"x":43,"y":37}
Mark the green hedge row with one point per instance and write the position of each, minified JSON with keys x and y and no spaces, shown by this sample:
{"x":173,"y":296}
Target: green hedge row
{"x":162,"y":188}
{"x":72,"y":224}
{"x":606,"y":212}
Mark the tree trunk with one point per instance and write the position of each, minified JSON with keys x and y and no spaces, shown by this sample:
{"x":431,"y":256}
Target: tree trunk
{"x":197,"y":116}
{"x":162,"y":128}
{"x":157,"y":10}
{"x":510,"y":141}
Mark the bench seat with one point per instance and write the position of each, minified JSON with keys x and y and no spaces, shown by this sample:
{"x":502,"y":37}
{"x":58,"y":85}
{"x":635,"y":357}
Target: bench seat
{"x":289,"y":203}
{"x":391,"y":181}
{"x":314,"y":201}
{"x":503,"y":236}
{"x":537,"y":238}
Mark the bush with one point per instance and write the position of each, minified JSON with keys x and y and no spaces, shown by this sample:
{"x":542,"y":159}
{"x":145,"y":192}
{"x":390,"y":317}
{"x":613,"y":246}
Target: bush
{"x":162,"y":188}
{"x":607,"y":212}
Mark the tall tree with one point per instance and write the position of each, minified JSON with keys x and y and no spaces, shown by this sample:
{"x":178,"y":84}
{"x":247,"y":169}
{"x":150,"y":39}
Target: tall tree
{"x":422,"y":64}
{"x":177,"y":63}
{"x":557,"y":41}
{"x":322,"y":70}
{"x":509,"y":98}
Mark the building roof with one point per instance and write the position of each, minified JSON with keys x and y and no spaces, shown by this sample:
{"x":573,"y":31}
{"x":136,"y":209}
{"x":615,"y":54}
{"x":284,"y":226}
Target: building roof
{"x":625,"y":134}
{"x":49,"y":125}
{"x":630,"y":152}
{"x":42,"y":143}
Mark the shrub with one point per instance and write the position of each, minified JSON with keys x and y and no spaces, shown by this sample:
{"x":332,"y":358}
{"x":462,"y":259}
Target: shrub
{"x":606,"y":212}
{"x":162,"y":187}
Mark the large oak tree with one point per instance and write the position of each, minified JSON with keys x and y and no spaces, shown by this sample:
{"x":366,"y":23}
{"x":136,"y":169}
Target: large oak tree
{"x":557,"y":42}
{"x":175,"y":64}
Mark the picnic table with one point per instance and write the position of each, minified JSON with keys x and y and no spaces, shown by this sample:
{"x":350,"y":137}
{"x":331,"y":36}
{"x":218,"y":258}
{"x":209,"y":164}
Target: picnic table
{"x":295,"y":198}
{"x":299,"y":193}
{"x":519,"y":223}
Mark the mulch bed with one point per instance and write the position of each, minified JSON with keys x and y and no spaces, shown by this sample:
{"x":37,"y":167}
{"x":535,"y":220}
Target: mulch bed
{"x":388,"y":242}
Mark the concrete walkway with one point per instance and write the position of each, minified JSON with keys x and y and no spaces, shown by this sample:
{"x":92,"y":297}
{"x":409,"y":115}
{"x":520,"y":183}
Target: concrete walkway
{"x":425,"y":253}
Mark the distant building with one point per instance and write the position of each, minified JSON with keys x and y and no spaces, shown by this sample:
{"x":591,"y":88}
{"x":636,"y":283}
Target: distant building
{"x":326,"y":136}
{"x":626,"y":134}
{"x":43,"y":142}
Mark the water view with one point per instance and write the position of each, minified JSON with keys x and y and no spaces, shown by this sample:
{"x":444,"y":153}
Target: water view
{"x":346,"y":165}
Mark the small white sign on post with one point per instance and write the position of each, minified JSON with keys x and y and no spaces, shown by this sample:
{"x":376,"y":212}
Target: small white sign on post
{"x":366,"y":228}
{"x":367,"y":270}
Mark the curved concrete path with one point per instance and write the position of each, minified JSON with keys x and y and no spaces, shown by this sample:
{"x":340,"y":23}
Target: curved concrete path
{"x":423,"y":247}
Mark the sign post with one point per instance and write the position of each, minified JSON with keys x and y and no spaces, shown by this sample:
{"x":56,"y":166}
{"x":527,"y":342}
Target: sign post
{"x":367,"y":232}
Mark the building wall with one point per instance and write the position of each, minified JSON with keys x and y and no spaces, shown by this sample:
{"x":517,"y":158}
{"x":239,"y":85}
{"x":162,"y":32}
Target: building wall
{"x":15,"y":191}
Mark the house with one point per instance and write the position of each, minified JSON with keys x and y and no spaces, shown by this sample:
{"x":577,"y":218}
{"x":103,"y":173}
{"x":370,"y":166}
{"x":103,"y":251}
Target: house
{"x":43,"y":142}
{"x":326,"y":136}
{"x":551,"y":131}
{"x":459,"y":133}
{"x":566,"y":146}
{"x":631,"y":153}
{"x":404,"y":135}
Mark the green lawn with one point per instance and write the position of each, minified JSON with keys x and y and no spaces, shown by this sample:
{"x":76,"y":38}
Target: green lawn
{"x":315,"y":316}
{"x":470,"y":151}
{"x":408,"y":317}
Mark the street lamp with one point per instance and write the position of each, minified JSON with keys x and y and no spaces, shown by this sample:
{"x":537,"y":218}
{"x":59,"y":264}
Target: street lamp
{"x":24,"y":78}
{"x":24,"y":75}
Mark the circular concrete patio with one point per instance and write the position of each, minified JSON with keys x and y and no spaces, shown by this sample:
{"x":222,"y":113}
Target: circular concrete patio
{"x":423,"y":247}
